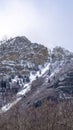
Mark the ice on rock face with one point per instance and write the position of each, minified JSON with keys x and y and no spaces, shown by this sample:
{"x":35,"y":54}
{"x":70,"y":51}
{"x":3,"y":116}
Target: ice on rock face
{"x":32,"y":77}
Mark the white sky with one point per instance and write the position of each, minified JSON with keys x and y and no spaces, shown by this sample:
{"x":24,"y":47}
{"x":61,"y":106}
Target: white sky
{"x":49,"y":22}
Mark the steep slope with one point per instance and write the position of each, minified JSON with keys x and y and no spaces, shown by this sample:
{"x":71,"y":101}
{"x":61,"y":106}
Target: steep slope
{"x":20,"y":61}
{"x":45,"y":74}
{"x":55,"y":86}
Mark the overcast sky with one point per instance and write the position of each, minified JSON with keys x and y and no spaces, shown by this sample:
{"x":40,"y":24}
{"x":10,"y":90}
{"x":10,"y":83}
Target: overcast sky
{"x":49,"y":22}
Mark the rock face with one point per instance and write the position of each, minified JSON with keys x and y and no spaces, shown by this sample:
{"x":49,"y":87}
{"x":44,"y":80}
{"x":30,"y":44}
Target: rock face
{"x":18,"y":58}
{"x":21,"y":59}
{"x":61,"y":80}
{"x":19,"y":55}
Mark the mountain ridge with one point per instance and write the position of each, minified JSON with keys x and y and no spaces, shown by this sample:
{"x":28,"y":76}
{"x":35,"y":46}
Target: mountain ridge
{"x":25,"y":69}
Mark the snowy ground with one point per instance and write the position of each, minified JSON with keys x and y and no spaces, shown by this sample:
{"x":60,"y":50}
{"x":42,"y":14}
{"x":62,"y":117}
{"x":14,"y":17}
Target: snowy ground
{"x":26,"y":88}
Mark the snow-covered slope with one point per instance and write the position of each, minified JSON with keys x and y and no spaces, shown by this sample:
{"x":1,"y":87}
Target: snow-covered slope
{"x":53,"y":80}
{"x":25,"y":89}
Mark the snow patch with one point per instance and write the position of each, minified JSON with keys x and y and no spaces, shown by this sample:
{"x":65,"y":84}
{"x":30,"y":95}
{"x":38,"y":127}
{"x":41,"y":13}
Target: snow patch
{"x":9,"y":105}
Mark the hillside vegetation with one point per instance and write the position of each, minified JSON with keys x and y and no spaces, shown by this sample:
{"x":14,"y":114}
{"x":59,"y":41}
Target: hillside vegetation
{"x":49,"y":116}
